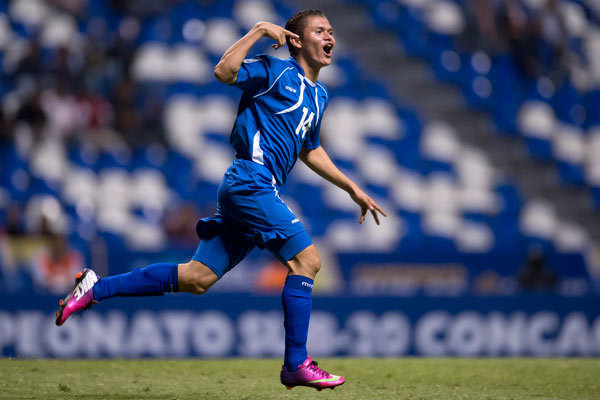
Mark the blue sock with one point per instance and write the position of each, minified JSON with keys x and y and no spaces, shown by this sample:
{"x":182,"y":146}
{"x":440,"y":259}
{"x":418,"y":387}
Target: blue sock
{"x":154,"y":280}
{"x":297,"y":302}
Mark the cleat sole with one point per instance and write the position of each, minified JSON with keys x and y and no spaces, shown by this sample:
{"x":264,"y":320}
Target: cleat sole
{"x":78,"y":275}
{"x":318,"y":388}
{"x":61,"y":302}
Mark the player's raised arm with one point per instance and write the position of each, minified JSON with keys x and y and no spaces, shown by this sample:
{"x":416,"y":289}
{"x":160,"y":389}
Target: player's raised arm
{"x":318,"y":160}
{"x":227,"y":69}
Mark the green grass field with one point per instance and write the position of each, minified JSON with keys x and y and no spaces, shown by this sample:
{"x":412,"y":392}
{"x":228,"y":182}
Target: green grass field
{"x":407,"y":378}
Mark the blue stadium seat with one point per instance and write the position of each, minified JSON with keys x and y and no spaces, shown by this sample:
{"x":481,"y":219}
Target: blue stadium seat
{"x":596,"y":195}
{"x":539,"y":148}
{"x":571,"y":173}
{"x":591,"y":103}
{"x":564,"y":101}
{"x":179,"y":173}
{"x":107,"y":160}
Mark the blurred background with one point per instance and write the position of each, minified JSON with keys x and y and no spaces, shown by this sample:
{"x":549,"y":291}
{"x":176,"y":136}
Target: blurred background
{"x":474,"y":123}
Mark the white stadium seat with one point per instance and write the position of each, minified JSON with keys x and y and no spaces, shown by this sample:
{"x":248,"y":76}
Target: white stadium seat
{"x":220,"y":34}
{"x":445,"y":17}
{"x":536,"y":119}
{"x":338,"y":199}
{"x":149,"y":189}
{"x":49,"y":160}
{"x":343,"y":123}
{"x":438,"y":142}
{"x":379,"y":116}
{"x":441,"y":194}
{"x":473,"y":237}
{"x":29,"y":12}
{"x":80,"y":185}
{"x":248,"y":12}
{"x":50,"y":209}
{"x":409,"y":190}
{"x":378,"y":165}
{"x":538,"y":219}
{"x":473,"y":169}
{"x":5,"y":31}
{"x":183,"y":125}
{"x":114,"y":189}
{"x":142,"y":235}
{"x":215,"y":113}
{"x":570,"y":238}
{"x":569,"y":144}
{"x":60,"y":30}
{"x":151,"y":62}
{"x":213,"y":161}
{"x":479,"y":200}
{"x":188,"y":64}
{"x":574,"y":18}
{"x":441,"y":223}
{"x":114,"y":220}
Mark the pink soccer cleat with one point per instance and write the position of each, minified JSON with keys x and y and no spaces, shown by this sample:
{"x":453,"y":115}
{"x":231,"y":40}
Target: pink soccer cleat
{"x":309,"y":374}
{"x":80,"y":298}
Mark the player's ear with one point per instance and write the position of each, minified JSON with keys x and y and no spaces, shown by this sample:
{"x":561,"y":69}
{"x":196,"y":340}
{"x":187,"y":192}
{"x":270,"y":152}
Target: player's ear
{"x":297,"y":43}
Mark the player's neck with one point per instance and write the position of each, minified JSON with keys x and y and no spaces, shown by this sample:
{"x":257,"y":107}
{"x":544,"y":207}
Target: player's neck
{"x":311,"y":73}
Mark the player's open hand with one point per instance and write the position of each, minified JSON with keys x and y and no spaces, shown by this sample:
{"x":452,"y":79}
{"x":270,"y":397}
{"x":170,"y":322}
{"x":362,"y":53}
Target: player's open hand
{"x":275,"y":32}
{"x":366,"y":204}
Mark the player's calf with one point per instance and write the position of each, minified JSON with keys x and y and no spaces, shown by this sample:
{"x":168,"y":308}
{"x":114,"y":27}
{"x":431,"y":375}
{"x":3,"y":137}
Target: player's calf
{"x":196,"y":278}
{"x":153,"y":280}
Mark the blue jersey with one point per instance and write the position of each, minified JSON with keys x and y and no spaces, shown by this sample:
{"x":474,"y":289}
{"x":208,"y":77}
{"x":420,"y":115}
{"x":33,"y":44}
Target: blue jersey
{"x":280,"y":113}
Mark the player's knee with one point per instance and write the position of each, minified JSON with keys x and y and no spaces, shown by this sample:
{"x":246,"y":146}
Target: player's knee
{"x":307,"y":263}
{"x":316,"y":265}
{"x":310,"y":266}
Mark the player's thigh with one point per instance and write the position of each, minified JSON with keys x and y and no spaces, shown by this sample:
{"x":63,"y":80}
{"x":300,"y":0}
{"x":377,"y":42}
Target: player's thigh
{"x":290,"y":246}
{"x":223,"y":251}
{"x":254,"y":206}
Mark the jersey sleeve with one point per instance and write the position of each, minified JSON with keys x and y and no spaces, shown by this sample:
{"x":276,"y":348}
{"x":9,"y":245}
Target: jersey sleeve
{"x":253,"y":73}
{"x":313,"y":141}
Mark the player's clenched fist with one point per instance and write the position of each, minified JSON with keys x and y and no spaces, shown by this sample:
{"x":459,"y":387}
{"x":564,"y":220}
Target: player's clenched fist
{"x":274,"y":32}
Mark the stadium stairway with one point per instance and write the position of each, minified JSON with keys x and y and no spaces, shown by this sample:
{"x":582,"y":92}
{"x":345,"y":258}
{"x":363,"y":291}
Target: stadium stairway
{"x":411,"y":81}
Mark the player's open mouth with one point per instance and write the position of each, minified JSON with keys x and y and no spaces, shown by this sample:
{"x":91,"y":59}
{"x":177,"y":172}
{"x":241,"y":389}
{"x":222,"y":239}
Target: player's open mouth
{"x":328,"y":48}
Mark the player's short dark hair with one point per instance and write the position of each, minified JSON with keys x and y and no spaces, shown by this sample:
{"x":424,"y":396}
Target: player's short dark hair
{"x":297,"y":23}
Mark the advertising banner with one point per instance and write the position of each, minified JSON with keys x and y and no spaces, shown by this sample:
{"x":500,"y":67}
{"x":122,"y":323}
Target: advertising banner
{"x":224,"y":325}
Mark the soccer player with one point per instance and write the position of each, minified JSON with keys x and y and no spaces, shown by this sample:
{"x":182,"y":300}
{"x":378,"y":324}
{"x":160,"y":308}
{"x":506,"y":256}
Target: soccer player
{"x":278,"y":121}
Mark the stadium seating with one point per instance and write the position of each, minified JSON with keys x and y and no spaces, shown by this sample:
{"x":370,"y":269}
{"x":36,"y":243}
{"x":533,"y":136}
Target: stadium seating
{"x":445,"y":201}
{"x":562,"y":118}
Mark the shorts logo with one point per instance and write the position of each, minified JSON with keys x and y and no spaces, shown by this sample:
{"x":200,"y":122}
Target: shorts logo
{"x":310,"y":285}
{"x":290,"y":89}
{"x":295,"y":220}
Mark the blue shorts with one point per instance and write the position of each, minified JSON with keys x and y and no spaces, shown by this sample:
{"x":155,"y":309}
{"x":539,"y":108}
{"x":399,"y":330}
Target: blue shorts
{"x":249,"y":213}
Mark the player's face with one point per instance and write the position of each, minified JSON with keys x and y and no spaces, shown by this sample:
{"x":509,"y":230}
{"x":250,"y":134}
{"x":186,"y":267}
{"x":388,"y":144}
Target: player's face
{"x":317,"y":42}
